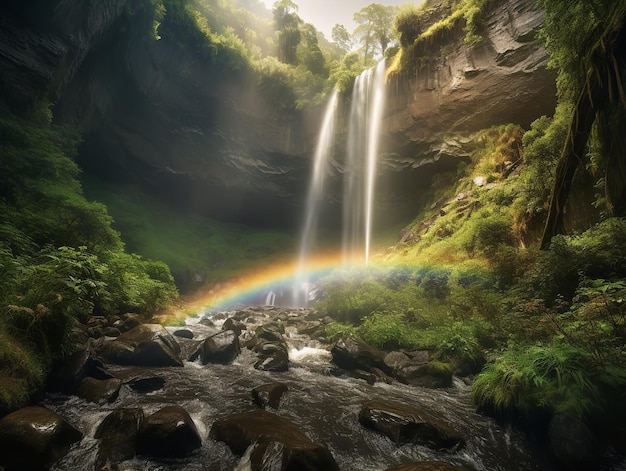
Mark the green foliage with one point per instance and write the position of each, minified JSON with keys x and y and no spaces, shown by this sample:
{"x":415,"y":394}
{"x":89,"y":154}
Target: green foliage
{"x":40,"y":197}
{"x":60,"y":260}
{"x":388,"y":331}
{"x":409,"y":23}
{"x":571,"y":31}
{"x":542,"y":148}
{"x":374,"y":29}
{"x":189,"y":243}
{"x":556,"y":378}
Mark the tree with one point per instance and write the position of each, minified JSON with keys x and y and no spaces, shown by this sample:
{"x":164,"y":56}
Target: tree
{"x":342,"y":37}
{"x":287,"y":24}
{"x":591,"y":61}
{"x":375,"y":27}
{"x":310,"y":53}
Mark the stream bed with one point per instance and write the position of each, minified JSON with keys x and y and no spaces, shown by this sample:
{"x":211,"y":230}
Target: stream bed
{"x":325,"y":407}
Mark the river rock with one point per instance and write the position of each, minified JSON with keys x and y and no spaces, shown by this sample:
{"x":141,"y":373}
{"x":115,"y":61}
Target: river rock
{"x":68,"y":374}
{"x":353,"y":354}
{"x":143,"y":345}
{"x":33,"y":438}
{"x":235,"y":325}
{"x":147,"y":384}
{"x":99,"y":390}
{"x":278,"y":443}
{"x":269,"y":395}
{"x":183,"y":333}
{"x":273,"y":356}
{"x":433,"y":374}
{"x":118,"y":437}
{"x":572,"y":443}
{"x":427,"y":466}
{"x":222,"y":347}
{"x":169,"y":432}
{"x":406,"y":424}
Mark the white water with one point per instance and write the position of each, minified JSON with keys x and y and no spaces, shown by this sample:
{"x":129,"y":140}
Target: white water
{"x":325,"y":143}
{"x":359,"y":169}
{"x":360,"y":166}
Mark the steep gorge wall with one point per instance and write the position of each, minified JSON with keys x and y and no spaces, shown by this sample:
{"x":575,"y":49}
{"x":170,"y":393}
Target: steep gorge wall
{"x":454,"y":90}
{"x":156,"y":113}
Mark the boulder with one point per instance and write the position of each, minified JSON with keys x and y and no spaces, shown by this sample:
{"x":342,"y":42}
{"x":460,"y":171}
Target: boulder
{"x":234,"y":324}
{"x":147,"y":384}
{"x":169,"y":432}
{"x":433,"y":374}
{"x":34,"y":438}
{"x":354,"y":354}
{"x":99,"y":390}
{"x":269,"y":395}
{"x":273,"y":356}
{"x":277,"y":443}
{"x":143,"y":345}
{"x":406,"y":424}
{"x":222,"y":347}
{"x":118,"y":437}
{"x":183,"y":333}
{"x":67,"y":375}
{"x":427,"y":466}
{"x":572,"y":443}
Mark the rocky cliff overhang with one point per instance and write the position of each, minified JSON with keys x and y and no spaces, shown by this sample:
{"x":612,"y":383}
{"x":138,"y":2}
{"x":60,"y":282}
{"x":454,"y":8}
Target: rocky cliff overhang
{"x":455,"y":90}
{"x":157,"y":114}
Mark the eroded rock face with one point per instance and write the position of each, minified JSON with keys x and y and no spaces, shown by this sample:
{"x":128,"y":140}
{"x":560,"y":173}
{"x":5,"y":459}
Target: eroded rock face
{"x":196,"y":134}
{"x":461,"y":89}
{"x":33,"y":438}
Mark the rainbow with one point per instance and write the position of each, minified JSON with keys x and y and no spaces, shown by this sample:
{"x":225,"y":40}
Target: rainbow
{"x":252,"y":287}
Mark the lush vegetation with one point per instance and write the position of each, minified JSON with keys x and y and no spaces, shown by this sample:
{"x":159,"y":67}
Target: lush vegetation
{"x":60,"y":259}
{"x":199,"y":251}
{"x":471,"y":284}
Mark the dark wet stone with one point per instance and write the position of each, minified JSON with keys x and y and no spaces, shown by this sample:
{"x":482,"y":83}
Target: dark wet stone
{"x":406,"y":424}
{"x":353,"y":354}
{"x":269,"y":395}
{"x":118,"y":437}
{"x":183,"y":333}
{"x":222,"y":348}
{"x":111,"y":332}
{"x":33,"y":438}
{"x":144,"y":345}
{"x":273,"y":356}
{"x":572,"y":443}
{"x":169,"y":432}
{"x":99,"y":390}
{"x":433,"y":374}
{"x":146,"y":385}
{"x":278,"y":443}
{"x":234,"y":325}
{"x":69,"y":373}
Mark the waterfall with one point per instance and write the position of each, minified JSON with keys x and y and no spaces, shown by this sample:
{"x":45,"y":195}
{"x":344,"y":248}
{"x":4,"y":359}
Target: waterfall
{"x":270,"y":299}
{"x":359,"y":170}
{"x":325,"y":143}
{"x":360,"y":166}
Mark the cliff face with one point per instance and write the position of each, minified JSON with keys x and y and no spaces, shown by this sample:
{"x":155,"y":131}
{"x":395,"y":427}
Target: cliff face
{"x":157,"y":113}
{"x":460,"y":89}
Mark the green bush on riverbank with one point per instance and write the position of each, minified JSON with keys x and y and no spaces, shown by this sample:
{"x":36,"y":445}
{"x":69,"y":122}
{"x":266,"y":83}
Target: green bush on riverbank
{"x":60,"y":260}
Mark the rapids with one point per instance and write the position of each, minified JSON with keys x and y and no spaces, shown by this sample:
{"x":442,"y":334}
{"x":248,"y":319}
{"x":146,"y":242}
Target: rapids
{"x":323,"y":405}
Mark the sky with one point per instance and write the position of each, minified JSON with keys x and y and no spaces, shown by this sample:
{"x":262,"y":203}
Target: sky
{"x":324,"y":14}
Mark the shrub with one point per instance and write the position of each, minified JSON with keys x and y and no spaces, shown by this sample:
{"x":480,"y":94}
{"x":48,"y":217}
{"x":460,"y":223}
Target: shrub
{"x":524,"y":384}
